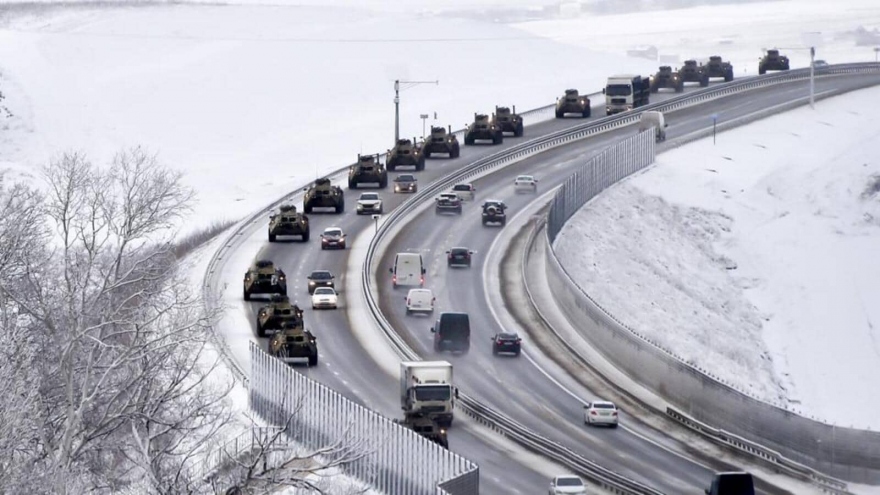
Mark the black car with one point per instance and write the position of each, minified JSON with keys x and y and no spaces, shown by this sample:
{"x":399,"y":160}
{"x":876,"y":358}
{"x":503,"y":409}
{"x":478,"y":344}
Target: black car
{"x":506,"y":342}
{"x":459,"y":256}
{"x":320,"y":278}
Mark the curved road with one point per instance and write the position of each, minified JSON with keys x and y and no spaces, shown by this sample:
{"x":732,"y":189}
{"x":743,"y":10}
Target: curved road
{"x":514,"y":386}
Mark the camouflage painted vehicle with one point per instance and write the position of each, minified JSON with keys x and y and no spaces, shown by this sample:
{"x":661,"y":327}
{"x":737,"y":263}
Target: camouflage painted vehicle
{"x":494,"y":211}
{"x":441,"y":141}
{"x":288,"y":221}
{"x":426,"y":427}
{"x":509,"y":120}
{"x":483,"y":128}
{"x":324,"y":195}
{"x":274,"y":315}
{"x":773,"y":61}
{"x":666,"y":78}
{"x":691,"y":72}
{"x":716,"y":67}
{"x":263,"y":277}
{"x":404,"y":153}
{"x":368,"y":169}
{"x":294,"y":342}
{"x":572,"y":102}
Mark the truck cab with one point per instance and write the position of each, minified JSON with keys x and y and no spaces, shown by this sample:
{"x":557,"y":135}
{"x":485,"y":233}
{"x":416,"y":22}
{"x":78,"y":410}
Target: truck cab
{"x":426,"y":390}
{"x":625,"y":92}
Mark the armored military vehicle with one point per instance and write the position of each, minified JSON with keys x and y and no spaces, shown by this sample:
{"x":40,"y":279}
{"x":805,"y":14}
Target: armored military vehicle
{"x":263,"y":277}
{"x":288,"y":221}
{"x":323,"y":195}
{"x":426,"y":427}
{"x":294,"y":342}
{"x":404,"y":153}
{"x":572,"y":102}
{"x":368,"y":169}
{"x":666,"y":78}
{"x":441,"y":141}
{"x":274,"y":315}
{"x":510,"y":121}
{"x":691,"y":72}
{"x":773,"y":61}
{"x":483,"y":128}
{"x":494,"y":212}
{"x":716,"y":67}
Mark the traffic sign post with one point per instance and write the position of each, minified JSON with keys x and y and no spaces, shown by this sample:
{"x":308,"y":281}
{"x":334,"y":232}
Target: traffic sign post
{"x":424,"y":117}
{"x":714,"y":124}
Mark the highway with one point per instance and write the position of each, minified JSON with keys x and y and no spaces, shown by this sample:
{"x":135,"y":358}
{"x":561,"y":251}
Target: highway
{"x":516,"y":386}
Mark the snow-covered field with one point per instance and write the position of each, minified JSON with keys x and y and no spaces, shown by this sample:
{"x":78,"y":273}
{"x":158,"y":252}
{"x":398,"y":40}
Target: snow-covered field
{"x":757,"y":261}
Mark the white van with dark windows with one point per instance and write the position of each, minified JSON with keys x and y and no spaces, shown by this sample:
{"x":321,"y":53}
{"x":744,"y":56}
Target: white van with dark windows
{"x":408,"y":270}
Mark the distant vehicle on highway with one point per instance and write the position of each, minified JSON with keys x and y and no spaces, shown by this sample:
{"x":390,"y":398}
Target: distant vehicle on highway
{"x":567,"y":484}
{"x":601,"y":412}
{"x":325,"y":298}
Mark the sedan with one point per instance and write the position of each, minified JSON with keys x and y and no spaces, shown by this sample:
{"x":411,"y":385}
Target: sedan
{"x":600,"y":412}
{"x":333,"y":238}
{"x":320,"y":278}
{"x":525,"y":184}
{"x":459,"y":256}
{"x":506,"y":342}
{"x":324,"y":298}
{"x":464,"y":191}
{"x":369,"y":202}
{"x":567,"y":484}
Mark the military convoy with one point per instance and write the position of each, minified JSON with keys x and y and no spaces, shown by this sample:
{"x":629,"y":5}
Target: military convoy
{"x":509,"y":120}
{"x":369,"y":170}
{"x":441,"y":141}
{"x":666,"y":78}
{"x":263,"y":277}
{"x":288,"y":221}
{"x":274,"y":315}
{"x":772,"y":60}
{"x":691,"y":72}
{"x":716,"y":67}
{"x":294,"y":342}
{"x":323,"y":195}
{"x":483,"y":128}
{"x":572,"y":102}
{"x":404,"y":153}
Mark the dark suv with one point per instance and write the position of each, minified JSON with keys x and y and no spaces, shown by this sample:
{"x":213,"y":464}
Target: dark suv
{"x":452,"y":332}
{"x":494,"y":212}
{"x":506,"y":342}
{"x":459,"y":256}
{"x":320,"y":278}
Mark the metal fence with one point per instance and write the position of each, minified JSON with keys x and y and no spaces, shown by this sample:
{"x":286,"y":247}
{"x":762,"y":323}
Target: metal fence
{"x":392,"y":459}
{"x":844,"y":452}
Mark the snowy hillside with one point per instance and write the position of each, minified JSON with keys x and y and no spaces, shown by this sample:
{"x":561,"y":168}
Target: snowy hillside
{"x":756,"y":261}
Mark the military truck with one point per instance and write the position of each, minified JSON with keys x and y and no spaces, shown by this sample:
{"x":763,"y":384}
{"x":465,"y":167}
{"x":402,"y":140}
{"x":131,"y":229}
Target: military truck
{"x":691,"y":72}
{"x":666,"y":78}
{"x":773,"y":61}
{"x":323,"y":195}
{"x":441,"y":141}
{"x":494,"y":212}
{"x":483,"y":128}
{"x":509,"y":120}
{"x":716,"y":67}
{"x":288,"y":221}
{"x":294,"y":342}
{"x":426,"y":427}
{"x":405,"y":152}
{"x":368,"y":169}
{"x":274,"y":315}
{"x":572,"y":102}
{"x":263,"y":277}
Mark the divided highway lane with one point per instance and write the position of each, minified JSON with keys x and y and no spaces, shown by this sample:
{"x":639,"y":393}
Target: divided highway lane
{"x":515,"y":386}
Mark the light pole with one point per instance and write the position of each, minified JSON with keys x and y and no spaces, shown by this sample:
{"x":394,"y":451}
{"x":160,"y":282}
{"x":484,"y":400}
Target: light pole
{"x":714,"y":124}
{"x":376,"y":222}
{"x":397,"y":90}
{"x":812,"y":75}
{"x":424,"y":117}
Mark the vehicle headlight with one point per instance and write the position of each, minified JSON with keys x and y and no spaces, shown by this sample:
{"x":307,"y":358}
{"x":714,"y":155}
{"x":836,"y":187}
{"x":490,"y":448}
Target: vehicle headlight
{"x":311,"y":282}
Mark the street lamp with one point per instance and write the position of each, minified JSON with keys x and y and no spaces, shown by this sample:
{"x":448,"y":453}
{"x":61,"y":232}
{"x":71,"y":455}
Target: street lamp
{"x":397,"y":90}
{"x":376,"y":222}
{"x":812,"y":75}
{"x":424,"y":117}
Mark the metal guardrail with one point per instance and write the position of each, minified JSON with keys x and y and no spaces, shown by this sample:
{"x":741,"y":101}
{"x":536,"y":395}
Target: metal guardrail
{"x":597,"y":474}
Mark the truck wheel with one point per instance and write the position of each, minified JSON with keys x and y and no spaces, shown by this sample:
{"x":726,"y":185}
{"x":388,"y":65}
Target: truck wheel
{"x":313,"y":360}
{"x":518,"y":132}
{"x":391,"y":166}
{"x":261,"y":332}
{"x":340,"y":207}
{"x":352,"y":184}
{"x":455,"y":151}
{"x":704,"y":82}
{"x":305,"y":237}
{"x":271,"y":237}
{"x":497,"y":138}
{"x":420,"y":165}
{"x":762,"y":70}
{"x":307,"y":207}
{"x":383,"y":183}
{"x":468,"y":140}
{"x":559,"y":114}
{"x":587,"y":112}
{"x":654,"y":89}
{"x":427,"y":153}
{"x":728,"y":76}
{"x":247,"y":295}
{"x":679,"y":88}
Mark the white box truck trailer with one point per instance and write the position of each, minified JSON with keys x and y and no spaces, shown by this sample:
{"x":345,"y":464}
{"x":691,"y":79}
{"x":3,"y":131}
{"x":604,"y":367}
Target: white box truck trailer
{"x":426,"y":389}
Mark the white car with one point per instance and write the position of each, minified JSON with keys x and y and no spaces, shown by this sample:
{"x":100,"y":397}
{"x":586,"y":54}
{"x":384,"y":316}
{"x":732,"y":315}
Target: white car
{"x":525,"y":183}
{"x":420,"y":301}
{"x":600,"y":412}
{"x":567,"y":484}
{"x":464,"y":191}
{"x":324,"y":298}
{"x":369,"y":202}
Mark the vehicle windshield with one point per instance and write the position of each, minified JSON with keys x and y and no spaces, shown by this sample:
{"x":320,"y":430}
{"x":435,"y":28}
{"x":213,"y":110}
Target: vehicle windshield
{"x":461,"y":187}
{"x":320,"y":276}
{"x":324,"y":291}
{"x":433,"y":392}
{"x":406,"y":178}
{"x":569,"y":482}
{"x":333,"y":232}
{"x":525,"y":178}
{"x":603,"y":406}
{"x":618,"y":90}
{"x":369,"y":196}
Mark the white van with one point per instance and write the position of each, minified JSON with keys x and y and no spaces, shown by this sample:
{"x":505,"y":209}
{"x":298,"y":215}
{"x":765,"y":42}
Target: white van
{"x":420,"y":300}
{"x":655,"y":120}
{"x":408,"y":269}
